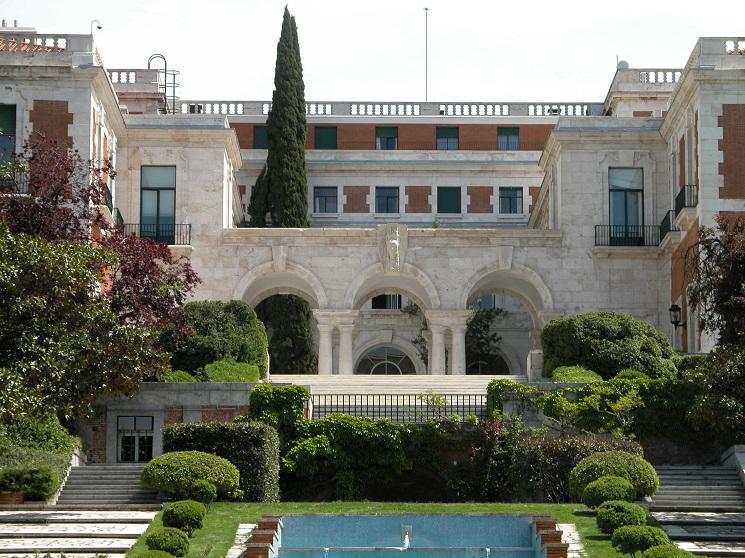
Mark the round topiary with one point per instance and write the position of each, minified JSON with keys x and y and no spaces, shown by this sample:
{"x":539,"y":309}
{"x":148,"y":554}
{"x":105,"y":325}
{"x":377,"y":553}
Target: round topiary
{"x":169,"y":539}
{"x":575,"y":375}
{"x":633,"y":468}
{"x":631,"y":374}
{"x":203,"y":491}
{"x":175,"y":472}
{"x":152,"y":554}
{"x":186,"y":515}
{"x":608,"y":488}
{"x":638,"y":538}
{"x":616,"y":513}
{"x":666,"y":551}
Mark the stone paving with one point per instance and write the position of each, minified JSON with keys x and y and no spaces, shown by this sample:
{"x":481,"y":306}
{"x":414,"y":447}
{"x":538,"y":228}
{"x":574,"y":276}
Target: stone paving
{"x":241,"y":538}
{"x":572,"y":538}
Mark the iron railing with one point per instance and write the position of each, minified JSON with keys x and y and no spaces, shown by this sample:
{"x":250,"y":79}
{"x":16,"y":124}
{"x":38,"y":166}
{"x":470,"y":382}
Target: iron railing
{"x":668,"y":224}
{"x":401,"y":407}
{"x":627,"y":235}
{"x":168,"y":234}
{"x":118,"y":218}
{"x":687,"y":197}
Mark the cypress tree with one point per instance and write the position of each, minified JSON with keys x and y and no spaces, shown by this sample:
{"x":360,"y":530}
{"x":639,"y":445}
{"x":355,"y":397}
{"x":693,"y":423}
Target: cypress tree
{"x":258,"y":206}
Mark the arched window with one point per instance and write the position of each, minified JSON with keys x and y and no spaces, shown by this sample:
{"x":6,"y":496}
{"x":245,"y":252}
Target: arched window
{"x":385,"y":360}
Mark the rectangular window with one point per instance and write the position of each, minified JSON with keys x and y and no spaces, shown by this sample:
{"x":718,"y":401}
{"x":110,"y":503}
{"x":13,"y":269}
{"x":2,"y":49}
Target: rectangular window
{"x":386,"y":199}
{"x":135,"y":439}
{"x":324,"y":199}
{"x":7,"y":132}
{"x":386,"y":138}
{"x":626,"y":205}
{"x":324,"y":137}
{"x":260,"y":139}
{"x":386,"y":302}
{"x":510,"y":200}
{"x":508,"y":139}
{"x":447,"y":138}
{"x":158,"y":203}
{"x":448,"y":199}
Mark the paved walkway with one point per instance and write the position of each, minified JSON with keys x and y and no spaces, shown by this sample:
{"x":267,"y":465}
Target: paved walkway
{"x":572,"y":538}
{"x":241,"y":538}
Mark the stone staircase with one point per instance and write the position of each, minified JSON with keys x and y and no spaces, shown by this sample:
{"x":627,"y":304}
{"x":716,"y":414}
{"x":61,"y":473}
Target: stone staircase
{"x":702,"y":509}
{"x":105,"y":486}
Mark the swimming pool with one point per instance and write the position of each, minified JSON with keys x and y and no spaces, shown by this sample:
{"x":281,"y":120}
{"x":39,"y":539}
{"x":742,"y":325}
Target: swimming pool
{"x":406,"y":536}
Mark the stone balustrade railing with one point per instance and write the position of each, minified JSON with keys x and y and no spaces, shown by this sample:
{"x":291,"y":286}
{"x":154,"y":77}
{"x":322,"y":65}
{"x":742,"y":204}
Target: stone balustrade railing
{"x":342,"y":108}
{"x":45,"y":43}
{"x":125,"y":75}
{"x":659,"y":76}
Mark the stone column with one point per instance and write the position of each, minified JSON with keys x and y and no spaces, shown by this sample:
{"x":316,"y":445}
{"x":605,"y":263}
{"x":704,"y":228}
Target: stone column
{"x":437,"y":349}
{"x":458,"y":352}
{"x":325,"y":348}
{"x":346,"y":361}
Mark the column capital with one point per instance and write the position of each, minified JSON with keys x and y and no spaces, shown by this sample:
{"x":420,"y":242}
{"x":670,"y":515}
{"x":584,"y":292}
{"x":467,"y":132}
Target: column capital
{"x":335,"y":317}
{"x":448,"y":318}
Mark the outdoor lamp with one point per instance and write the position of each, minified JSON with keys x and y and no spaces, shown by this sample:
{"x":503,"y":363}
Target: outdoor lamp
{"x":675,"y":315}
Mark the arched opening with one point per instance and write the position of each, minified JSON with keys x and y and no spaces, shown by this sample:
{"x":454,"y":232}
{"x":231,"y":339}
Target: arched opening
{"x":290,"y":328}
{"x":385,"y":360}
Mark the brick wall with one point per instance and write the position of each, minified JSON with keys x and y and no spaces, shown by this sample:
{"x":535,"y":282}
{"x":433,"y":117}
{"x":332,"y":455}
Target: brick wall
{"x":641,"y":113}
{"x":174,"y":414}
{"x":677,"y":274}
{"x":355,"y":136}
{"x":480,"y":199}
{"x":96,"y":453}
{"x":533,"y":136}
{"x":51,"y":119}
{"x":214,"y":413}
{"x":245,"y":133}
{"x":732,"y":146}
{"x":356,"y":199}
{"x":418,"y":199}
{"x":417,"y":136}
{"x":477,"y":136}
{"x":533,"y":191}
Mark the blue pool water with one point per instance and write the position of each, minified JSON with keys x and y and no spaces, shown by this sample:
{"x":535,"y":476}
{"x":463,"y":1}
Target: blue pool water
{"x":429,"y":536}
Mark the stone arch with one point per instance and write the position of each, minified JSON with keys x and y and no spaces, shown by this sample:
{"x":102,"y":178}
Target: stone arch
{"x":413,"y":282}
{"x":265,"y":280}
{"x":381,"y":340}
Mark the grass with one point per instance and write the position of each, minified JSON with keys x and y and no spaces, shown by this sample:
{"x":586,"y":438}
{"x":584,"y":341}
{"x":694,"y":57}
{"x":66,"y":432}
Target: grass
{"x":216,"y":536}
{"x":228,"y":370}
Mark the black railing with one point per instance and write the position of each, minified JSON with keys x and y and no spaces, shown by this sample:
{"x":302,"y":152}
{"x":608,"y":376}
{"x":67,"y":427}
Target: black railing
{"x":168,"y":234}
{"x":687,"y":197}
{"x":402,"y":407}
{"x":668,"y":224}
{"x":627,"y":235}
{"x":118,"y":218}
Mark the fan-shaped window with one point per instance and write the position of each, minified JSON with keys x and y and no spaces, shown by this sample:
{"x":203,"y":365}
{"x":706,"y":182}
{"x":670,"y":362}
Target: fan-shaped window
{"x":386,"y":360}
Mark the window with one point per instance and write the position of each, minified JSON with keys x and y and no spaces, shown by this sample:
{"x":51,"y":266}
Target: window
{"x":324,"y":199}
{"x":386,"y":199}
{"x":158,"y":203}
{"x":7,"y":132}
{"x":510,"y":200}
{"x":385,"y":360}
{"x":508,"y":139}
{"x":260,"y":139}
{"x":448,"y":199}
{"x":447,"y":138}
{"x":386,"y":138}
{"x":626,"y":204}
{"x":386,"y":302}
{"x":324,"y":137}
{"x":135,"y":439}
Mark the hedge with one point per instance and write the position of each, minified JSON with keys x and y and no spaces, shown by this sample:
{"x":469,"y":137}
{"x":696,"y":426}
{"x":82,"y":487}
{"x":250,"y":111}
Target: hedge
{"x":607,"y":343}
{"x":638,"y":538}
{"x":29,"y":457}
{"x":497,"y":388}
{"x":152,"y":554}
{"x":607,"y":488}
{"x":36,"y":483}
{"x":176,"y":471}
{"x":253,"y":447}
{"x":202,"y":491}
{"x":230,"y":370}
{"x":666,"y":551}
{"x":633,"y":468}
{"x":177,"y":376}
{"x":574,"y":374}
{"x":168,"y":539}
{"x":43,"y":433}
{"x":186,"y":515}
{"x":281,"y":407}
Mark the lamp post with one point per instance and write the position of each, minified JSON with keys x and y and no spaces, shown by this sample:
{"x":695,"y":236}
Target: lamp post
{"x":98,"y":25}
{"x":675,"y":316}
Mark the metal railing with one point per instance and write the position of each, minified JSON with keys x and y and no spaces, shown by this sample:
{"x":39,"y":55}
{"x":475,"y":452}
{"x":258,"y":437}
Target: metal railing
{"x":627,"y":235}
{"x":668,"y":224}
{"x":118,"y":218}
{"x":178,"y":234}
{"x":687,"y":197}
{"x":402,"y":407}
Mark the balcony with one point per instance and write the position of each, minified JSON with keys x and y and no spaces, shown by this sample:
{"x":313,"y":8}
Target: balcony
{"x":668,"y":224}
{"x":686,"y":198}
{"x":176,"y":234}
{"x":627,"y":235}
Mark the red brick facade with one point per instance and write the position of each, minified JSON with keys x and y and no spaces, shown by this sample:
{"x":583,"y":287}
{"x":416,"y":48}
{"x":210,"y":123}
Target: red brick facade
{"x":214,"y":413}
{"x":480,"y":199}
{"x":417,"y":136}
{"x":96,"y":453}
{"x":51,"y":119}
{"x":533,"y":191}
{"x":641,"y":113}
{"x":356,"y":199}
{"x":732,"y":146}
{"x":174,"y":415}
{"x":418,"y":199}
{"x":677,"y":272}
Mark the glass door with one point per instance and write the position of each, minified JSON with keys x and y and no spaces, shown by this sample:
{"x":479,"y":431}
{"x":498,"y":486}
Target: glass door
{"x":135,"y":439}
{"x":158,"y":203}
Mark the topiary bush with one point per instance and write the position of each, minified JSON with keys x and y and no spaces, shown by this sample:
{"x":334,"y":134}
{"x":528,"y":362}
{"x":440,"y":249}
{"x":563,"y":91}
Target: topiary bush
{"x":666,"y":551}
{"x":608,"y":488}
{"x":177,"y":376}
{"x":202,"y":491}
{"x":631,"y":539}
{"x":607,"y":343}
{"x":230,"y":370}
{"x":168,"y":539}
{"x":253,"y":447}
{"x":631,"y":374}
{"x":176,"y":471}
{"x":574,"y":375}
{"x":633,"y":468}
{"x":614,"y":514}
{"x":186,"y":515}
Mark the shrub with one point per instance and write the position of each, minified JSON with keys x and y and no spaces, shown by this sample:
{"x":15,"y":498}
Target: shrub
{"x":608,"y":488}
{"x":176,"y":471}
{"x":281,"y":407}
{"x":202,"y":491}
{"x":168,"y":539}
{"x":607,"y":343}
{"x":33,"y":458}
{"x":152,"y":554}
{"x":574,"y":374}
{"x":186,"y":515}
{"x":176,"y":376}
{"x":36,"y":483}
{"x":43,"y":433}
{"x":230,"y":370}
{"x":666,"y":551}
{"x":689,"y":361}
{"x":253,"y":447}
{"x":614,"y":514}
{"x":631,"y":374}
{"x":633,"y":468}
{"x":631,"y":539}
{"x":496,"y":388}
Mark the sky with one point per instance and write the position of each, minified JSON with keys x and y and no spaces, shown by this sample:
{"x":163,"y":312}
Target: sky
{"x":478,"y":50}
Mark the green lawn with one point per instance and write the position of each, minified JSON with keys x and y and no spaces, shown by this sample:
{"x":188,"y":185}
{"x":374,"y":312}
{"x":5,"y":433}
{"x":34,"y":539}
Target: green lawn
{"x":216,"y":537}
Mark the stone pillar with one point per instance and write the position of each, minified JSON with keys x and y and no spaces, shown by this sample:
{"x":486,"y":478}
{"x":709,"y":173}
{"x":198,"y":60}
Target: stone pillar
{"x":325,"y":348}
{"x":458,"y":352}
{"x":346,"y":360}
{"x":437,"y":349}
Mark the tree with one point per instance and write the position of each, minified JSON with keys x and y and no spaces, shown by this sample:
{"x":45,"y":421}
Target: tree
{"x":61,"y":344}
{"x":291,"y":346}
{"x":259,"y":204}
{"x":715,"y":272}
{"x":481,"y":341}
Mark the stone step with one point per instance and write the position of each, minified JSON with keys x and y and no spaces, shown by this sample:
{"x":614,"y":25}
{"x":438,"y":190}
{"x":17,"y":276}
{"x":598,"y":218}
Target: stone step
{"x":98,"y":488}
{"x":57,"y":516}
{"x":63,"y":555}
{"x":695,"y":507}
{"x":72,"y":530}
{"x":697,"y":498}
{"x":41,"y":506}
{"x":91,"y":502}
{"x":101,"y":482}
{"x":695,"y":494}
{"x":707,"y":548}
{"x":64,"y":545}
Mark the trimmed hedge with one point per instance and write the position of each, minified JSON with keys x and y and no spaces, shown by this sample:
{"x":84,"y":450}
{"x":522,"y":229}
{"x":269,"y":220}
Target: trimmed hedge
{"x":607,"y":343}
{"x":281,"y":407}
{"x":176,"y":471}
{"x":253,"y":447}
{"x":230,"y":370}
{"x":36,"y":483}
{"x":631,"y":374}
{"x":202,"y":491}
{"x":186,"y":515}
{"x":638,"y":538}
{"x":574,"y":375}
{"x":34,"y":458}
{"x":608,"y":488}
{"x":168,"y":539}
{"x":614,"y":514}
{"x":177,"y":376}
{"x":667,"y":551}
{"x":43,"y":433}
{"x":633,"y":468}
